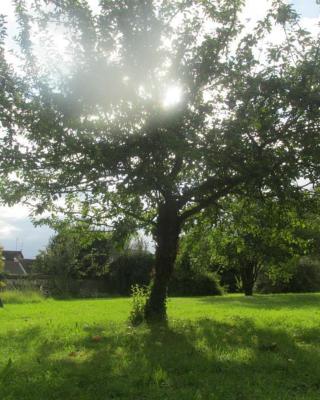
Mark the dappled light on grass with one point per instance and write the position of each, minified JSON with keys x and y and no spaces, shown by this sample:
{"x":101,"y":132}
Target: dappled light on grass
{"x":229,"y":351}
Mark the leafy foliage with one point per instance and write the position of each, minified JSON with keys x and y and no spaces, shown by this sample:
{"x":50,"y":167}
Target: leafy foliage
{"x":59,"y":260}
{"x":1,"y":260}
{"x":75,"y":253}
{"x":249,"y":234}
{"x":304,"y":277}
{"x":198,"y":284}
{"x":93,"y":131}
{"x":130,"y":269}
{"x":188,"y":280}
{"x":139,"y":295}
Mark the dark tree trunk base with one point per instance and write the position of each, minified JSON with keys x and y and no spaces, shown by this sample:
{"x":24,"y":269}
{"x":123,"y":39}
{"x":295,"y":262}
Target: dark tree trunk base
{"x":248,"y":289}
{"x":1,"y":304}
{"x":156,"y":307}
{"x":166,"y":236}
{"x":248,"y":277}
{"x":155,"y":316}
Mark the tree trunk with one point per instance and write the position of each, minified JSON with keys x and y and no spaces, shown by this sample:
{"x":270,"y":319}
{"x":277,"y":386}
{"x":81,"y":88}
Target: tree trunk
{"x":248,"y":289}
{"x":248,"y":278}
{"x":1,"y":304}
{"x":167,"y":237}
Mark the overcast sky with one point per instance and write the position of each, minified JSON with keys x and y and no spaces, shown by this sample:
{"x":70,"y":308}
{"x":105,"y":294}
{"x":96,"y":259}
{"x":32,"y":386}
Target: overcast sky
{"x":16,"y":229}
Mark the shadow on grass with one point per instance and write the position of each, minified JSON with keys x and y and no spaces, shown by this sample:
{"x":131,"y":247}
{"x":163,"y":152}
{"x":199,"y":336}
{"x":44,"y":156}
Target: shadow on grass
{"x":276,"y":302}
{"x":201,"y":360}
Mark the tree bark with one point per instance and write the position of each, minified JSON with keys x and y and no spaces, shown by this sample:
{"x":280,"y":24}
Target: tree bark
{"x":167,"y":232}
{"x":248,"y":278}
{"x":1,"y":303}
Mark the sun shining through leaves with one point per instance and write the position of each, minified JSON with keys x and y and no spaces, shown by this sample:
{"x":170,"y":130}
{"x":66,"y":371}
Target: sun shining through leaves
{"x":172,"y":97}
{"x":56,"y":44}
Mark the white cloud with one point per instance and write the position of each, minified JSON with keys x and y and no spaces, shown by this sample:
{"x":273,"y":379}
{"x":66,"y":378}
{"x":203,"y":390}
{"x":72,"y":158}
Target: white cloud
{"x":254,"y":10}
{"x":311,"y":24}
{"x":18,"y":232}
{"x":18,"y":211}
{"x":7,"y":230}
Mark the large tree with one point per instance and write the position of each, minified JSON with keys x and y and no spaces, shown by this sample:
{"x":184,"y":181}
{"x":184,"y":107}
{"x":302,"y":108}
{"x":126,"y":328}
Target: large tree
{"x":102,"y":124}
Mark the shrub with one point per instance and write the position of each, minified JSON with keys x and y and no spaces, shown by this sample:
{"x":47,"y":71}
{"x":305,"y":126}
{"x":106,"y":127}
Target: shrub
{"x":195,"y":284}
{"x":193,"y":279}
{"x":129,"y":270}
{"x":229,"y":279}
{"x":140,"y":295}
{"x":305,"y":278}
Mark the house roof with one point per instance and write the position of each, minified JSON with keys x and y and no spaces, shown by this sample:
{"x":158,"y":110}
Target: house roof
{"x":10,"y":255}
{"x":27,"y":264}
{"x":13,"y":262}
{"x":13,"y":268}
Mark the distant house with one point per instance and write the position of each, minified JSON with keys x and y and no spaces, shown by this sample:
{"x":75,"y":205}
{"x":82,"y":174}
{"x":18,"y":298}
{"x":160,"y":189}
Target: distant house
{"x":27,"y":265}
{"x":15,"y":263}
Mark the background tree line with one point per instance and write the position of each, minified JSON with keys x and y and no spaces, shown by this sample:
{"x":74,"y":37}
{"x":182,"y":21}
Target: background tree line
{"x":245,"y":244}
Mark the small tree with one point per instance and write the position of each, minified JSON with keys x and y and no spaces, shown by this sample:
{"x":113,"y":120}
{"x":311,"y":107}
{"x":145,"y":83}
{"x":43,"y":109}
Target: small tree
{"x":59,"y":260}
{"x":76,"y":251}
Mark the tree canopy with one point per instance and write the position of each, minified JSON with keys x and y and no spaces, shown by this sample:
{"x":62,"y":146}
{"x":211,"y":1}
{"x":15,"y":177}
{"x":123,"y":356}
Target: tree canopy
{"x":247,"y":235}
{"x":155,"y":111}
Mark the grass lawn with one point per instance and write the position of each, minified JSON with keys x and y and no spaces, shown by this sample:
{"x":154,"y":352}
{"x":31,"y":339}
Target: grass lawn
{"x":230,"y":347}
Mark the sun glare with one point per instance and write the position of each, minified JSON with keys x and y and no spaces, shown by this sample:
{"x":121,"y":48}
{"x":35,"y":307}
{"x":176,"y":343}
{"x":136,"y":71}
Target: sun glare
{"x":60,"y":43}
{"x":56,"y":46}
{"x":172,"y":96}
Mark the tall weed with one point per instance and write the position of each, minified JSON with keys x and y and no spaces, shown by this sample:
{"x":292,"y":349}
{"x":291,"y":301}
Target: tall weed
{"x":21,"y":296}
{"x":140,"y":295}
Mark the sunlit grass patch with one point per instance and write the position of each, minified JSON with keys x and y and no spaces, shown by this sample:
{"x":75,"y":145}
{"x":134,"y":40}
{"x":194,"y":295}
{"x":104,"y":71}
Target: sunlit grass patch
{"x":214,"y":348}
{"x":21,"y":296}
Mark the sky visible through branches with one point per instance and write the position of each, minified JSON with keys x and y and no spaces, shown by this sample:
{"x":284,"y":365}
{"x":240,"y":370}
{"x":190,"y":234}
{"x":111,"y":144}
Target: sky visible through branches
{"x":16,"y":229}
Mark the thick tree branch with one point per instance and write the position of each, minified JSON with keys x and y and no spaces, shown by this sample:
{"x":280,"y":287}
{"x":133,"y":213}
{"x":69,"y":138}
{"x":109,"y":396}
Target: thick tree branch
{"x":208,"y":185}
{"x":207,"y":201}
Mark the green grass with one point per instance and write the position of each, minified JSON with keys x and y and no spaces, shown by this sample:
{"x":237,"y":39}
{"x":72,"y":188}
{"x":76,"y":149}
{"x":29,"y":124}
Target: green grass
{"x":232,"y":347}
{"x":21,"y":297}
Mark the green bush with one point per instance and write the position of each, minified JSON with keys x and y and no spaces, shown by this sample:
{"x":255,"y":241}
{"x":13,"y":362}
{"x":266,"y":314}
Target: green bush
{"x":195,"y":284}
{"x":130,"y":269}
{"x":229,"y":279}
{"x":305,"y":278}
{"x":193,"y":279}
